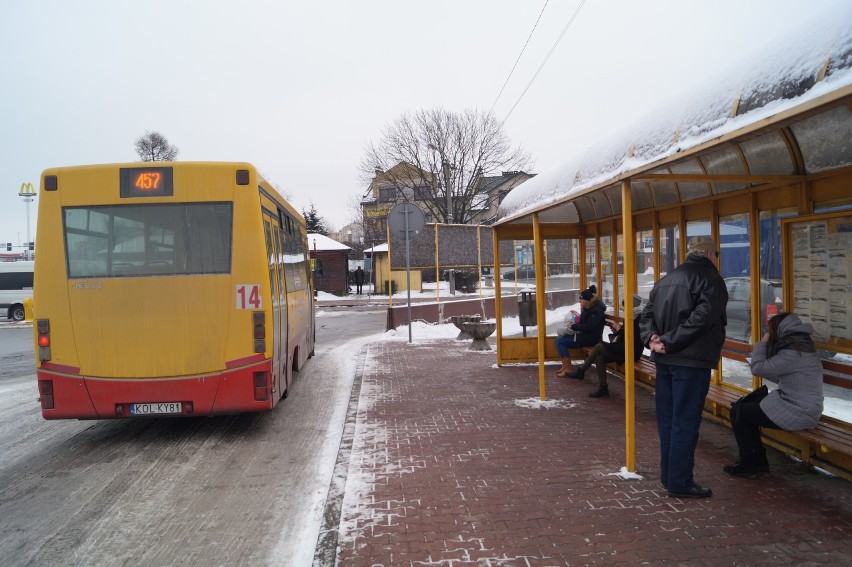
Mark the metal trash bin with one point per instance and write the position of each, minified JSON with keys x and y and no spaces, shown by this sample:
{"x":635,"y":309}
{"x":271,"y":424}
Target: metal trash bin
{"x":526,"y":310}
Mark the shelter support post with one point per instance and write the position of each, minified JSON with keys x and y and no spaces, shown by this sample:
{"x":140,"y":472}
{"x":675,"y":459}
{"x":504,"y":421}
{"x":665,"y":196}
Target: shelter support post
{"x":629,"y":291}
{"x":437,"y":268}
{"x":390,"y":269}
{"x":498,"y":294}
{"x":754,"y":268}
{"x":538,"y":248}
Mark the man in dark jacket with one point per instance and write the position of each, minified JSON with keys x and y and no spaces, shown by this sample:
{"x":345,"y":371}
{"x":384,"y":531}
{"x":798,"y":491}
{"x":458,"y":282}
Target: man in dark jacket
{"x":683,"y":324}
{"x":359,"y":279}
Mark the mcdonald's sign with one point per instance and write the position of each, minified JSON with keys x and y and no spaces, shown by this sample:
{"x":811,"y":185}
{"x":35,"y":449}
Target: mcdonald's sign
{"x":27,"y":190}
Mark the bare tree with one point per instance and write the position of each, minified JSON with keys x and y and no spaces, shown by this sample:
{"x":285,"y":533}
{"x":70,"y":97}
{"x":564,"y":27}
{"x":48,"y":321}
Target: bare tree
{"x":153,"y":146}
{"x":447,"y":151}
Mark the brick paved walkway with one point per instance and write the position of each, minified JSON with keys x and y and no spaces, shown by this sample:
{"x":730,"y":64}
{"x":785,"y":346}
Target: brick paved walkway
{"x":450,"y":467}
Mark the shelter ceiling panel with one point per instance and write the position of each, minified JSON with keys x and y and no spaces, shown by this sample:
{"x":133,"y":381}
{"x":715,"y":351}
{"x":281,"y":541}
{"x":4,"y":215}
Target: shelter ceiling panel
{"x":725,"y":161}
{"x":613,"y":193}
{"x":664,"y":192}
{"x":825,"y":140}
{"x":564,"y":213}
{"x":688,"y":190}
{"x":642,"y":198}
{"x":601,"y":205}
{"x":768,"y":155}
{"x":585,"y":208}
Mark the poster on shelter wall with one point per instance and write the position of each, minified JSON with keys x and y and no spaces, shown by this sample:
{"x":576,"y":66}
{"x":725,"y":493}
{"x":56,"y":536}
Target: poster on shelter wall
{"x":822,"y":276}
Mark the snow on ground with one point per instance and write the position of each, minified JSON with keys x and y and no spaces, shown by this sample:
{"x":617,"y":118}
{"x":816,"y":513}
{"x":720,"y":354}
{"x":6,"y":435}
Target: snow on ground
{"x":538,"y":403}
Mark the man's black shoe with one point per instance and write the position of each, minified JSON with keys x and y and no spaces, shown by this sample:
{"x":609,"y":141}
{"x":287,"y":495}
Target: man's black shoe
{"x":694,"y":492}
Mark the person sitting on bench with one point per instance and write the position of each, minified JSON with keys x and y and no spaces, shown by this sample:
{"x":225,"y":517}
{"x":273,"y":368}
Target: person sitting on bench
{"x":788,"y":356}
{"x":586,"y":332}
{"x":613,"y":351}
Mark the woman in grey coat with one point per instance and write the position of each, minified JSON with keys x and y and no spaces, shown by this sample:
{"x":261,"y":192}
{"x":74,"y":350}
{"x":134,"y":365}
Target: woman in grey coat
{"x":787,"y":356}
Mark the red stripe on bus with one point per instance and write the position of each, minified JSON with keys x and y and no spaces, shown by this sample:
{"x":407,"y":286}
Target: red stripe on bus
{"x":244,"y":361}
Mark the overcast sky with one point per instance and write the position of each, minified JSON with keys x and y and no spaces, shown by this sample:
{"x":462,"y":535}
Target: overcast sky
{"x":299,"y":88}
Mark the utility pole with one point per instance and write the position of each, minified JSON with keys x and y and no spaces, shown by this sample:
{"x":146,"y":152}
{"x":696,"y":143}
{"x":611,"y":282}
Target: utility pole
{"x":446,"y":167}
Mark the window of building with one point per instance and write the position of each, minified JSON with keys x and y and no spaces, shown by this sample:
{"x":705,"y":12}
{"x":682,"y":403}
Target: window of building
{"x":387,"y":194}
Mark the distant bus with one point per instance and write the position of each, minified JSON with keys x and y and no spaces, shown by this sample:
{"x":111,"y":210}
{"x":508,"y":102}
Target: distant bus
{"x":168,"y":289}
{"x":16,"y":285}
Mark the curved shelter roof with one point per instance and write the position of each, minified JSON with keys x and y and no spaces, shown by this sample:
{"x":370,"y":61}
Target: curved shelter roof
{"x":782,"y":115}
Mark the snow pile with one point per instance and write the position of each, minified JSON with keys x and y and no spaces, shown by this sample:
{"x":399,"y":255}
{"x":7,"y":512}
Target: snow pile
{"x":626,"y":475}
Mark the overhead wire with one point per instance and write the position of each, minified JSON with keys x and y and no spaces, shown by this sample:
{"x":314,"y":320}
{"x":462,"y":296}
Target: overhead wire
{"x":519,"y":57}
{"x":543,"y":63}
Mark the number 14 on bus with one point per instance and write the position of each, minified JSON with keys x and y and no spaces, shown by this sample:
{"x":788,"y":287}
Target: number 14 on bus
{"x":248,"y":296}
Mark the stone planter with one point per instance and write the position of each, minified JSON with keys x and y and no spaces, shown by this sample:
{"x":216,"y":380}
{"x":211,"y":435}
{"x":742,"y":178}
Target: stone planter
{"x":479,"y":331}
{"x":460,"y":320}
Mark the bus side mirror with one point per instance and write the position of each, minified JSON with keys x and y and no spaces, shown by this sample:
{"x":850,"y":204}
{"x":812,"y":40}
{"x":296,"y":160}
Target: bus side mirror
{"x":317,"y":267}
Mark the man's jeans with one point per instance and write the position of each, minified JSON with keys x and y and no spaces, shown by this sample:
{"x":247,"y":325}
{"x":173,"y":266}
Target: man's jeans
{"x":680,"y":393}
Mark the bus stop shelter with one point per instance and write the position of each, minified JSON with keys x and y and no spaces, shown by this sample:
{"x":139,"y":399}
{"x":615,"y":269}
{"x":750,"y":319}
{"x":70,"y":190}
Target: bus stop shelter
{"x":760,"y":159}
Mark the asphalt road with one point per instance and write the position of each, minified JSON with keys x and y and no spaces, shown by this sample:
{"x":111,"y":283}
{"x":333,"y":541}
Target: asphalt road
{"x":232,"y":490}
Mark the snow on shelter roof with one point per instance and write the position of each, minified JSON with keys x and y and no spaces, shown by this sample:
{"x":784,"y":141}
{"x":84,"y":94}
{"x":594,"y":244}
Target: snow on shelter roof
{"x":318,"y":241}
{"x":781,"y":84}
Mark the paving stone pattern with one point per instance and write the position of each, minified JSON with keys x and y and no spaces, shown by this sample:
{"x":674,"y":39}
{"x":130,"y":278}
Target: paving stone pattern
{"x":448,"y":468}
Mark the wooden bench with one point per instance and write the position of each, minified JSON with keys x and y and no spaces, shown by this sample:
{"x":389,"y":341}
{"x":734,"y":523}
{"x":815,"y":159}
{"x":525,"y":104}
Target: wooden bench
{"x":828,"y":445}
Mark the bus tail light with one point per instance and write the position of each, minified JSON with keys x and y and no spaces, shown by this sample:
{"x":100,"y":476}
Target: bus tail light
{"x":259,"y":319}
{"x":43,"y":326}
{"x":45,"y":390}
{"x":261,"y":390}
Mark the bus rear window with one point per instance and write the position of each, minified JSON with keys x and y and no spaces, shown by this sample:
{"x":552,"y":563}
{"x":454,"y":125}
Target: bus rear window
{"x":148,"y":240}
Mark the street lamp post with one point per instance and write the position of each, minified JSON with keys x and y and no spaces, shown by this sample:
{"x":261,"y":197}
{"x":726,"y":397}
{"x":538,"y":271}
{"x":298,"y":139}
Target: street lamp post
{"x":27,"y":192}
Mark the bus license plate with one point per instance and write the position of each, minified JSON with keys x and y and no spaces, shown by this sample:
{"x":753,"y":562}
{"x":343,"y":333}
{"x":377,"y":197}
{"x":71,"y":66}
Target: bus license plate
{"x":156,"y":408}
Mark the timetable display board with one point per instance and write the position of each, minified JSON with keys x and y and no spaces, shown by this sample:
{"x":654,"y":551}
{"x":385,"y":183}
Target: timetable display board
{"x":820,"y":248}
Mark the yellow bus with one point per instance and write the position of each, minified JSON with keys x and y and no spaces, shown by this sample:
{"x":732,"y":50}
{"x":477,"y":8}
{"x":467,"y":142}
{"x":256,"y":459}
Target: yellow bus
{"x":168,"y":289}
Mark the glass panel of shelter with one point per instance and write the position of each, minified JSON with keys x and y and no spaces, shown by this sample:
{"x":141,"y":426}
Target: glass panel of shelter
{"x":645,"y":276}
{"x":669,"y":249}
{"x":605,"y":284}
